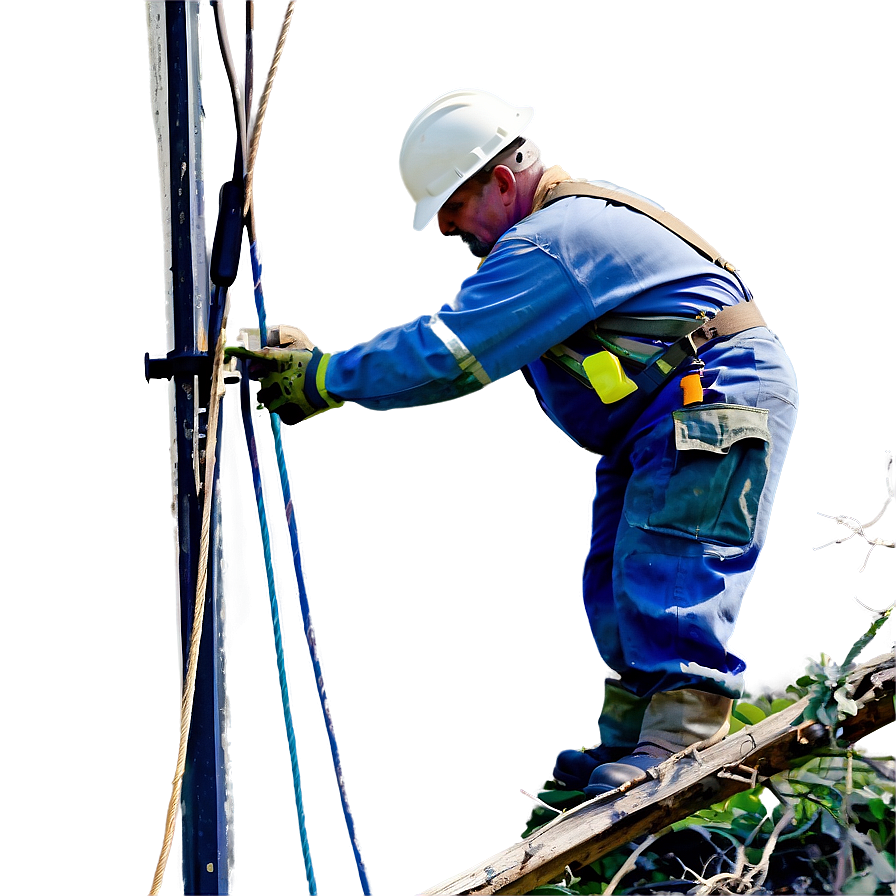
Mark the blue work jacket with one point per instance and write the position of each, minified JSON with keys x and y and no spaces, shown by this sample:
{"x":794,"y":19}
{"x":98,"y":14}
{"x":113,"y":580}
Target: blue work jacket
{"x":546,"y":279}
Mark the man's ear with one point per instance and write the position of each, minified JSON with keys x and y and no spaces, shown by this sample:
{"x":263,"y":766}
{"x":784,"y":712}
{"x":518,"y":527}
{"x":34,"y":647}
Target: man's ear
{"x":506,"y":183}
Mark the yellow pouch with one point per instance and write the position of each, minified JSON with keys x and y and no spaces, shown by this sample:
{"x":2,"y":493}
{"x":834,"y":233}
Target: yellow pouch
{"x":605,"y":373}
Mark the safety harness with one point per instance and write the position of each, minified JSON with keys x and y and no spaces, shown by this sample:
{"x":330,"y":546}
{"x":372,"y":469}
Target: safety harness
{"x":617,"y":336}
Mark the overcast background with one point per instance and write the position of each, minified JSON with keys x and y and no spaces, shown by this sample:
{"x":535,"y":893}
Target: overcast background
{"x":442,"y":545}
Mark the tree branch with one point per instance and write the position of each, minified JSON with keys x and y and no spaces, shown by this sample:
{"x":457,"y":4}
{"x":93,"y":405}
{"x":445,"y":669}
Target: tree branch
{"x":684,"y":784}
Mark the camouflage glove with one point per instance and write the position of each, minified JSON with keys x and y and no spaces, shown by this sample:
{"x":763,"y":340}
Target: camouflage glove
{"x":292,"y":380}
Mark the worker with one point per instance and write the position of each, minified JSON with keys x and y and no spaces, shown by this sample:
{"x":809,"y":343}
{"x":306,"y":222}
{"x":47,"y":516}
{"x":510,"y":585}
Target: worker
{"x":641,"y":346}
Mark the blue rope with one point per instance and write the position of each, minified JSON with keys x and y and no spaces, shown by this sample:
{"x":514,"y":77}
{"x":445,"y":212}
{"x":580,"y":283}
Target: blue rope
{"x":275,"y":617}
{"x":300,"y":580}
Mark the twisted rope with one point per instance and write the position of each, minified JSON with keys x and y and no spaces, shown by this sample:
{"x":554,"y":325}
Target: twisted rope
{"x":199,"y":601}
{"x":281,"y":465}
{"x":186,"y":710}
{"x":303,"y":597}
{"x":249,"y":429}
{"x":263,"y":105}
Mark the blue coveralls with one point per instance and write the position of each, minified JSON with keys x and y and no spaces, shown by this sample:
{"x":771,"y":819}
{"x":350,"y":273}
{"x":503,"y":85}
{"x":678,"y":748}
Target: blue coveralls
{"x":683,"y":495}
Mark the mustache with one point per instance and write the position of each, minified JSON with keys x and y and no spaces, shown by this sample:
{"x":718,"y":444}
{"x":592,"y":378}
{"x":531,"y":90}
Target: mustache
{"x":479,"y":248}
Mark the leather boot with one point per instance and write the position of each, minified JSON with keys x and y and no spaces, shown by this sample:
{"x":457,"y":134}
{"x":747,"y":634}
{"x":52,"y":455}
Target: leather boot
{"x":620,"y":727}
{"x":673,"y":721}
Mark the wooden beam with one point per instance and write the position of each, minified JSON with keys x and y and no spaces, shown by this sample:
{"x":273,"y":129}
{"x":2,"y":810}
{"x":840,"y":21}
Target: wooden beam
{"x":683,"y":785}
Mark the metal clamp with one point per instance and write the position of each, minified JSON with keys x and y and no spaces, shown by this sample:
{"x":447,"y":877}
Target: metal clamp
{"x":177,"y":363}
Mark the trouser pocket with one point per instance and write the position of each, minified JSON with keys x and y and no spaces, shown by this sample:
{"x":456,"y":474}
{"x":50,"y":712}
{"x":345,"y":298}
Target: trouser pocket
{"x":717,"y":470}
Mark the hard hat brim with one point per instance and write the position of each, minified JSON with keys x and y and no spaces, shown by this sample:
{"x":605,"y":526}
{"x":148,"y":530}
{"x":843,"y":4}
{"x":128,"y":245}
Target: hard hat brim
{"x":429,"y":207}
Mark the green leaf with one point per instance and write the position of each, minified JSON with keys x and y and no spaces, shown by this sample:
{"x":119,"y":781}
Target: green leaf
{"x":719,"y":831}
{"x":810,"y":776}
{"x":821,"y":690}
{"x":862,"y":643}
{"x":880,"y":866}
{"x":608,"y":865}
{"x":748,"y":713}
{"x":826,"y":715}
{"x":813,"y":708}
{"x":747,"y":801}
{"x":590,"y":888}
{"x":705,"y":818}
{"x":781,"y":703}
{"x":744,"y":825}
{"x":878,"y":809}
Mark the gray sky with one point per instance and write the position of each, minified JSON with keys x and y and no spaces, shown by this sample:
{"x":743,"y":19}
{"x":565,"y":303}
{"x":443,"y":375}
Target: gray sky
{"x":443,"y":545}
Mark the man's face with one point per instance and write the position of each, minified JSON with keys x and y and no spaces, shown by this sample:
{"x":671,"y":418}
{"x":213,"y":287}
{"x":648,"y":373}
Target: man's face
{"x":477,"y":214}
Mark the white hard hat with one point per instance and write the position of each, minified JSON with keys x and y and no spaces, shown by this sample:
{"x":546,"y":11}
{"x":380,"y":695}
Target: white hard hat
{"x":450,"y":140}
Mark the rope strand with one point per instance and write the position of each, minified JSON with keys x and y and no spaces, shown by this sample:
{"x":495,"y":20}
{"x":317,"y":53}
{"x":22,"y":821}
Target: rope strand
{"x":249,"y":216}
{"x":303,"y":597}
{"x":263,"y":105}
{"x":202,"y":571}
{"x":281,"y":464}
{"x":198,"y":606}
{"x":248,"y":427}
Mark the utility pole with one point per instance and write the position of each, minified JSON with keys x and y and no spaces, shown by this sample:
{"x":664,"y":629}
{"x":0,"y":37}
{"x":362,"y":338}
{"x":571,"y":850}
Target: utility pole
{"x":192,"y":322}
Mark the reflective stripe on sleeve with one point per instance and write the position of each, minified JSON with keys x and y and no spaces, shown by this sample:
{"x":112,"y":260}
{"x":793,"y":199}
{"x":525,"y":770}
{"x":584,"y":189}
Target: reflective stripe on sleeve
{"x":466,"y":360}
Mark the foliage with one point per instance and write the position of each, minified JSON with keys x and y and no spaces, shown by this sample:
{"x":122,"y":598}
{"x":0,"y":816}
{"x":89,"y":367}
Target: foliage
{"x":830,"y":696}
{"x":824,"y":826}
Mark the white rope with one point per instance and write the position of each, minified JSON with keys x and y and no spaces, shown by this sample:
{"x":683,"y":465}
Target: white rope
{"x":217,"y":391}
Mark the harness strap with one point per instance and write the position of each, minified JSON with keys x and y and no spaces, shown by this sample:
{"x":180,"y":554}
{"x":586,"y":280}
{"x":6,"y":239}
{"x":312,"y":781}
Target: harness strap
{"x":730,"y":320}
{"x":687,"y":335}
{"x":668,"y":220}
{"x":658,"y":327}
{"x":652,"y":372}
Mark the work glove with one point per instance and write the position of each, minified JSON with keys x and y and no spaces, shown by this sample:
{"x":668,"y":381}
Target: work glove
{"x":292,"y":373}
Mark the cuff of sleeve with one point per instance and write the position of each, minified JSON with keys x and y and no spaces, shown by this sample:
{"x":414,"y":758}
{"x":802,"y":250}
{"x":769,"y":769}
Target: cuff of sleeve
{"x":315,"y":383}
